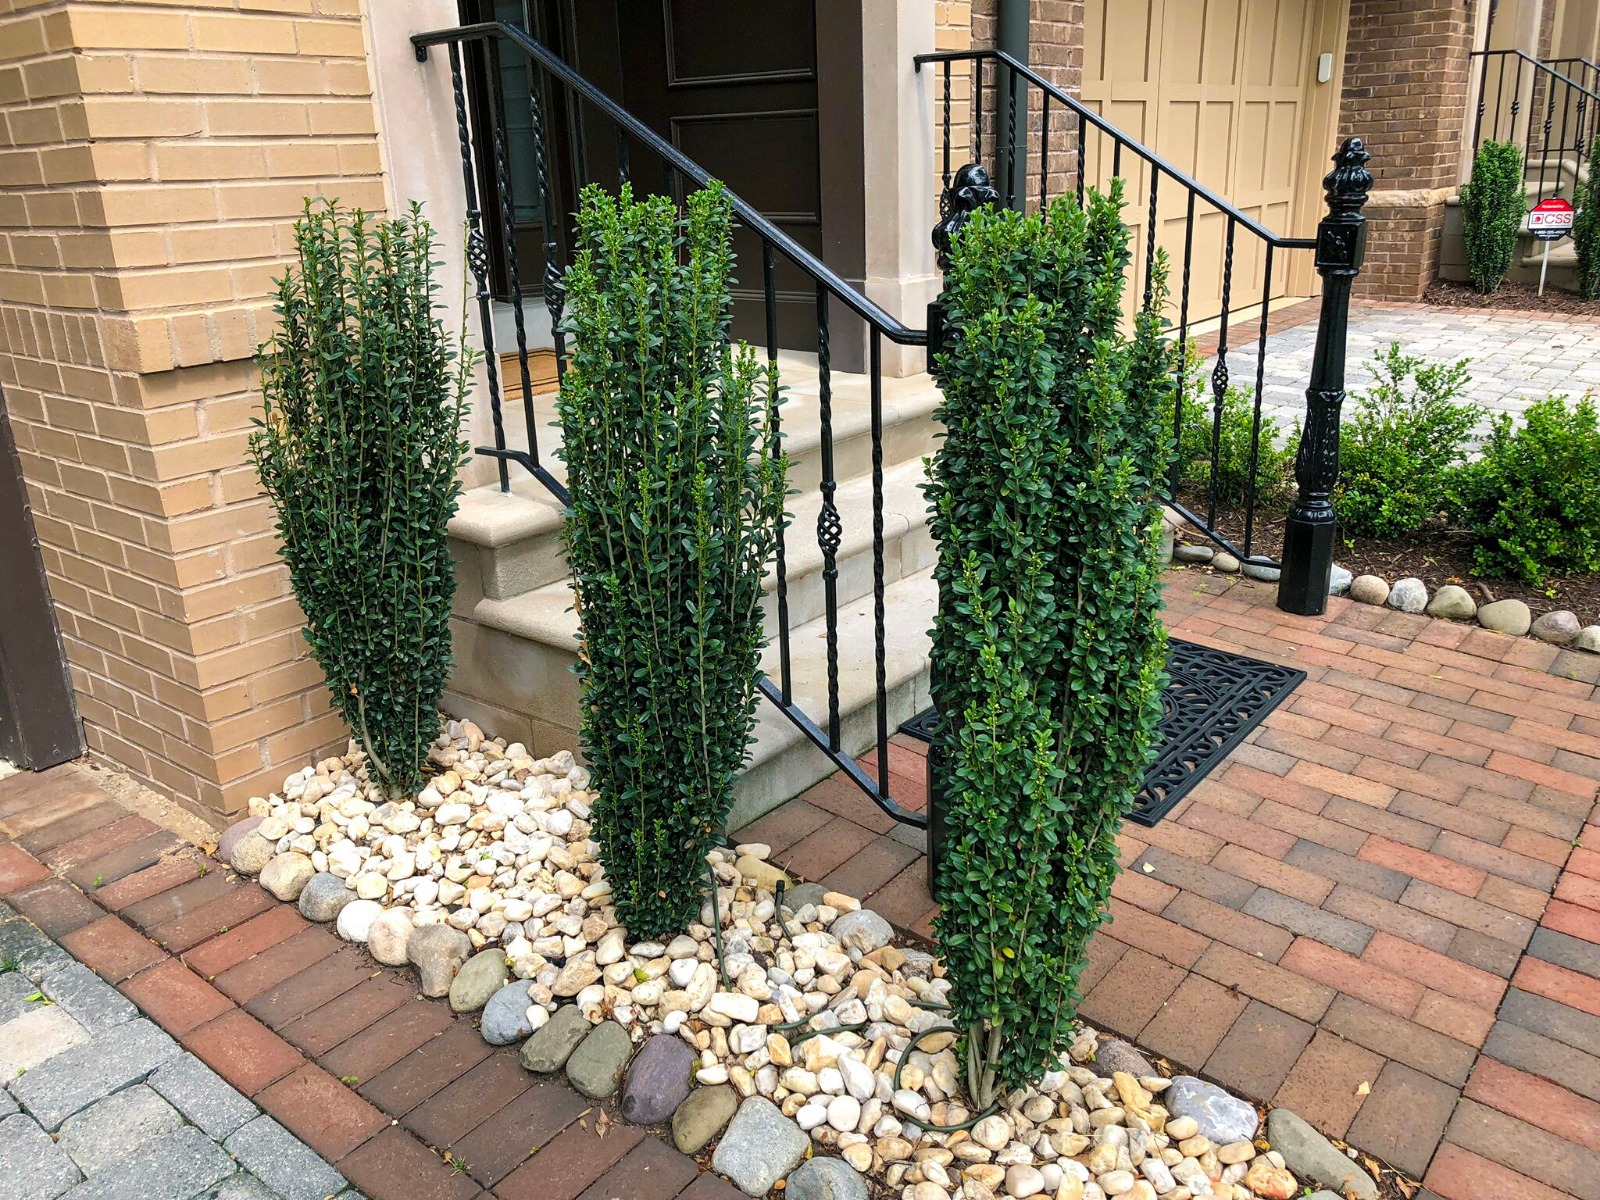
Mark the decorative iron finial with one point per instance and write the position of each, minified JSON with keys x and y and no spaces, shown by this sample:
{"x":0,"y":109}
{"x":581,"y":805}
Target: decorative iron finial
{"x":968,"y":191}
{"x":1349,"y":181}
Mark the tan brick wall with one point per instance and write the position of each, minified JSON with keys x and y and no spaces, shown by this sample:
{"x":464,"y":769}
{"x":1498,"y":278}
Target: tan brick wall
{"x":153,"y":155}
{"x":1405,"y":89}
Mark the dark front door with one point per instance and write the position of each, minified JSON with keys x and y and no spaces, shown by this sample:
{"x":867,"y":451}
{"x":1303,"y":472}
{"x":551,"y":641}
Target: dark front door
{"x":734,"y":86}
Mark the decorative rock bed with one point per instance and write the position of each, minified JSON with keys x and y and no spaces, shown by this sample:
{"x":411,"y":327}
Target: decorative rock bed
{"x":1410,"y":595}
{"x":790,"y":1035}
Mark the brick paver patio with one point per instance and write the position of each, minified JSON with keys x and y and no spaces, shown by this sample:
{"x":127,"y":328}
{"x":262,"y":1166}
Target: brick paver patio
{"x":402,"y":1096}
{"x":1382,"y":911}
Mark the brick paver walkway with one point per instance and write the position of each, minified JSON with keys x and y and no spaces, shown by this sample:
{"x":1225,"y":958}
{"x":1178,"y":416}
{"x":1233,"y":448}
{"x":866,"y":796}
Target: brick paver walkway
{"x":99,"y":1103}
{"x":342,"y":1052}
{"x":1517,"y":358}
{"x":1376,"y":912}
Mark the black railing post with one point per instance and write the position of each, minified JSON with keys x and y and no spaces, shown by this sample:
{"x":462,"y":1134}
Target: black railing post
{"x":1308,"y":538}
{"x":968,"y":191}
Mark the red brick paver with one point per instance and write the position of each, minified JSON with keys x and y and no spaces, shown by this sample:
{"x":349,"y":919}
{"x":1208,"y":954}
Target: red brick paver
{"x":1376,"y":892}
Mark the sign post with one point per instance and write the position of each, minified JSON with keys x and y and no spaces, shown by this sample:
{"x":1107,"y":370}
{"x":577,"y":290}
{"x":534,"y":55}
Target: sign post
{"x":1550,"y":221}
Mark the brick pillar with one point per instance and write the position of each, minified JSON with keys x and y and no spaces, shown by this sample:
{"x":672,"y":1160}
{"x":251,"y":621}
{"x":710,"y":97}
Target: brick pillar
{"x":1406,"y":84}
{"x":151,"y":165}
{"x":1055,"y":51}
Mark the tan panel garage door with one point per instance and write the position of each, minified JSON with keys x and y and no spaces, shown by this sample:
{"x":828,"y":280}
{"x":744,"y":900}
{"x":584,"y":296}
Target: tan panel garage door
{"x":1220,"y":89}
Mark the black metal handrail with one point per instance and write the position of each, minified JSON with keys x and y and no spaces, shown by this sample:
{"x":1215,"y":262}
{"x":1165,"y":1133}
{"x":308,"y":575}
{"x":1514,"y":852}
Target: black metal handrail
{"x":1195,"y":193}
{"x":1548,"y":88}
{"x":487,"y":145}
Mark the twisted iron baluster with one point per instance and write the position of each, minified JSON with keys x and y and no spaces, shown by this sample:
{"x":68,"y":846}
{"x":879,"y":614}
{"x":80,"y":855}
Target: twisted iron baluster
{"x":1219,"y":379}
{"x":945,"y":180}
{"x":829,"y":528}
{"x":555,"y":295}
{"x":1255,"y":429}
{"x":1083,"y":153}
{"x":881,"y":663}
{"x":1044,"y":149}
{"x":623,"y":173}
{"x":1183,"y":345}
{"x":502,"y":172}
{"x":1150,"y":235}
{"x":1011,"y":138}
{"x":478,"y":262}
{"x":767,"y":283}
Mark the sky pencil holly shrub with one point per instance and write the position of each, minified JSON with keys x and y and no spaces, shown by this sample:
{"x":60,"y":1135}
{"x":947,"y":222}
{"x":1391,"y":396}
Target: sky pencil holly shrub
{"x":358,"y":447}
{"x":671,"y":443}
{"x":1048,"y":649}
{"x":1493,"y":205}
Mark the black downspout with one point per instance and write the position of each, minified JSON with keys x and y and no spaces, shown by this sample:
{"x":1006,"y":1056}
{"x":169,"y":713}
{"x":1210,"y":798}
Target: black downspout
{"x":1011,"y":37}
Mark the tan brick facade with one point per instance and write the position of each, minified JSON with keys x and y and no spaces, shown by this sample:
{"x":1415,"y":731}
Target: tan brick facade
{"x":1405,"y":92}
{"x":153,"y":156}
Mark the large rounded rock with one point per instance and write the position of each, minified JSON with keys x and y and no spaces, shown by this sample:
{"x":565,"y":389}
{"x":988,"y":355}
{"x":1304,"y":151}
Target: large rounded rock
{"x":760,"y":1148}
{"x":323,"y":896}
{"x":1506,"y":616}
{"x":549,"y":1048}
{"x":505,"y":1017}
{"x":287,"y":875}
{"x":702,"y":1116}
{"x":251,"y":853}
{"x":1339,"y":580}
{"x":356,"y":918}
{"x":234,"y":834}
{"x":1306,"y":1152}
{"x":479,"y":978}
{"x":1221,"y":1117}
{"x":1588,"y":639}
{"x":1560,"y":627}
{"x":1224,"y":562}
{"x":595,"y":1067}
{"x":1408,"y":595}
{"x":1194,"y":554}
{"x":658,"y":1081}
{"x":1453,"y":603}
{"x":437,"y":951}
{"x":1263,"y":570}
{"x":1368,"y":589}
{"x":862,"y":931}
{"x":390,"y":936}
{"x":825,"y":1179}
{"x":1113,"y":1055}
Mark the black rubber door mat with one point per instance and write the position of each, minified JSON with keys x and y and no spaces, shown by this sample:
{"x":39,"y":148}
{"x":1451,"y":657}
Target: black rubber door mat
{"x":1214,"y":698}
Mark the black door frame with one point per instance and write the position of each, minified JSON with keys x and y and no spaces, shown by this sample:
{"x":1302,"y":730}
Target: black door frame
{"x":38,"y":719}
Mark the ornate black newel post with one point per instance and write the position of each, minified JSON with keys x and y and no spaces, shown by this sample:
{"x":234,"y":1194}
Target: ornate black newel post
{"x":1308,"y":538}
{"x":969,"y":190}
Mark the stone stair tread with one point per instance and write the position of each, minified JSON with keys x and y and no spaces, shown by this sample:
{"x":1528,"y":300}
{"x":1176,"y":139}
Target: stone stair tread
{"x":546,"y":615}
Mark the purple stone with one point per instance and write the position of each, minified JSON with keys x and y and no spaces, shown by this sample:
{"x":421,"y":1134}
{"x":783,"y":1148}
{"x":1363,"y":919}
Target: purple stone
{"x":658,"y":1080}
{"x":233,"y":835}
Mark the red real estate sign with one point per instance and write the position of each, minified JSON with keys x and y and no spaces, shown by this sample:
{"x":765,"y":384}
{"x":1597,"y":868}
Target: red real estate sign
{"x":1550,"y":219}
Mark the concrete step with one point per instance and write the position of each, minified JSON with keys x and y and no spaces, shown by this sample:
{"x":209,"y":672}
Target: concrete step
{"x":514,"y":659}
{"x":507,"y":543}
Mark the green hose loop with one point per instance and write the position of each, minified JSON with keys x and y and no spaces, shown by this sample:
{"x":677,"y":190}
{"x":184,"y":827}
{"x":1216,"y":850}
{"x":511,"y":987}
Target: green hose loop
{"x":928,"y":1125}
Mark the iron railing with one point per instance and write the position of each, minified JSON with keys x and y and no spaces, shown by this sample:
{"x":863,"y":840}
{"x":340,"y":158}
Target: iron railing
{"x":1160,"y":191}
{"x":485,"y":143}
{"x":559,"y":96}
{"x":1551,"y":115}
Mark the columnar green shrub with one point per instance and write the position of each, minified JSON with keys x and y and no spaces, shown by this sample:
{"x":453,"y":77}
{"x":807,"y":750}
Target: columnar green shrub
{"x":677,"y":487}
{"x":1048,"y":650}
{"x":1586,"y":228}
{"x":364,"y":391}
{"x":1533,"y":500}
{"x":1235,"y":438}
{"x":1493,"y":204}
{"x":1401,"y":443}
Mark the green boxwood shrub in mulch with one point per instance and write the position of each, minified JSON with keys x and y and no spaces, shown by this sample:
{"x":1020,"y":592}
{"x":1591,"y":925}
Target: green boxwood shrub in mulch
{"x":1493,"y":205}
{"x":1048,"y":649}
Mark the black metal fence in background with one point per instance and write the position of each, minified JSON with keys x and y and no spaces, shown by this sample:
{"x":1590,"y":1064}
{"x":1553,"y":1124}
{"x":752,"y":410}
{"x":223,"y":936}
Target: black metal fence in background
{"x":561,"y":103}
{"x":1549,"y":109}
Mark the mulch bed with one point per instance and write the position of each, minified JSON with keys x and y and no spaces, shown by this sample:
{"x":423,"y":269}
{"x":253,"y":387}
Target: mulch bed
{"x":1437,"y":556}
{"x":1511,"y":297}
